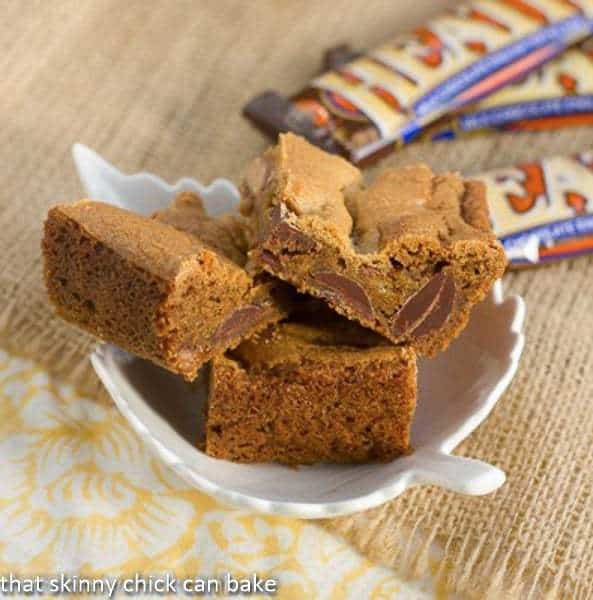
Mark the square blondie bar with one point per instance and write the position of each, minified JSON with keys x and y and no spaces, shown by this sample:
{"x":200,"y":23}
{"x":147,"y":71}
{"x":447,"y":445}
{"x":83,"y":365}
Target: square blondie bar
{"x":305,"y":392}
{"x":152,"y":289}
{"x":407,"y":255}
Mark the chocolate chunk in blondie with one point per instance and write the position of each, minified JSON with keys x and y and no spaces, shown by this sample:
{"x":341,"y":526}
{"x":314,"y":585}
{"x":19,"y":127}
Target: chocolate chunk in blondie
{"x":406,"y":255}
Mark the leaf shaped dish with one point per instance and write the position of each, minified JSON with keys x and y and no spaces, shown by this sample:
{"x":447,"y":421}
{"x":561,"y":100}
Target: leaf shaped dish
{"x":457,"y":391}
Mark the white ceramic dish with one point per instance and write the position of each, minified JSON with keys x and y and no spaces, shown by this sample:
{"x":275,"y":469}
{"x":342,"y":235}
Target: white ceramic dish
{"x":458,"y":389}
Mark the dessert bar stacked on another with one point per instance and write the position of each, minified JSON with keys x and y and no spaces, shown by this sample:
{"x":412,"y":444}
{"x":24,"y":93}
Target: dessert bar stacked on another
{"x":407,"y":255}
{"x":152,"y":289}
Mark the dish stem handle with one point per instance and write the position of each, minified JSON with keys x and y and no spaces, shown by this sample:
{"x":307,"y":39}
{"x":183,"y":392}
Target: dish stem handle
{"x":457,"y":473}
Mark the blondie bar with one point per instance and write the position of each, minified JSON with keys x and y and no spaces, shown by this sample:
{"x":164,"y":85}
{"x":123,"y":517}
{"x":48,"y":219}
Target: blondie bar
{"x":407,"y":255}
{"x":305,"y":392}
{"x":155,"y":291}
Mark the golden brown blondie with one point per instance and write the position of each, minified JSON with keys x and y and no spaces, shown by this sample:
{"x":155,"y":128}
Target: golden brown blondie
{"x":151,"y":289}
{"x":321,"y":389}
{"x":407,"y":255}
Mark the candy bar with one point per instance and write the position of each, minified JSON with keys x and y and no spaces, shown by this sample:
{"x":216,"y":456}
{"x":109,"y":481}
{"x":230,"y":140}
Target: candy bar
{"x":366,"y":107}
{"x":559,"y":94}
{"x":543,"y":211}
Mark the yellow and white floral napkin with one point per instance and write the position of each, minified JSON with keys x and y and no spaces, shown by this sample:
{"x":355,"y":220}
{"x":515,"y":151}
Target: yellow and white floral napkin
{"x":79,"y":493}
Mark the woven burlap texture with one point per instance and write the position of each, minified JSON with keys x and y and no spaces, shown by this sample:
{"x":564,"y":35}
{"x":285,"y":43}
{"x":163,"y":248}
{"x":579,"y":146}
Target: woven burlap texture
{"x":159,"y":86}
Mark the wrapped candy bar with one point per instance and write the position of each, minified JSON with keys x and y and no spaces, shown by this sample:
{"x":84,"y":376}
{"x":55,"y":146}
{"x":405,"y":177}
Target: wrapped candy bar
{"x":543,"y":211}
{"x":366,"y":107}
{"x":559,"y":94}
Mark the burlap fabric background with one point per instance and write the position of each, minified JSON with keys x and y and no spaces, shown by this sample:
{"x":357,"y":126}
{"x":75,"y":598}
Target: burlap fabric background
{"x":159,"y":85}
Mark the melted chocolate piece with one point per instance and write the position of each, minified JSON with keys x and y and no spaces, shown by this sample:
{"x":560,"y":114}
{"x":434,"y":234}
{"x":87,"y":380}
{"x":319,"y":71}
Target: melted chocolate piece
{"x":441,"y":311}
{"x":418,"y":306}
{"x":296,"y":240}
{"x":270,"y":259}
{"x":236,"y":323}
{"x":346,"y":290}
{"x":427,"y":309}
{"x":287,"y":234}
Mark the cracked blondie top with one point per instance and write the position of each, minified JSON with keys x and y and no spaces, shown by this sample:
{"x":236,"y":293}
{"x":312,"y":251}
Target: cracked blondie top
{"x":406,"y":255}
{"x":321,"y":389}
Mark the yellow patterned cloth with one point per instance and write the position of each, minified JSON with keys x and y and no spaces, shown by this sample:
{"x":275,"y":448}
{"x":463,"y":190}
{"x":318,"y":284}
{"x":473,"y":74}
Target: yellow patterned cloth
{"x":79,"y":493}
